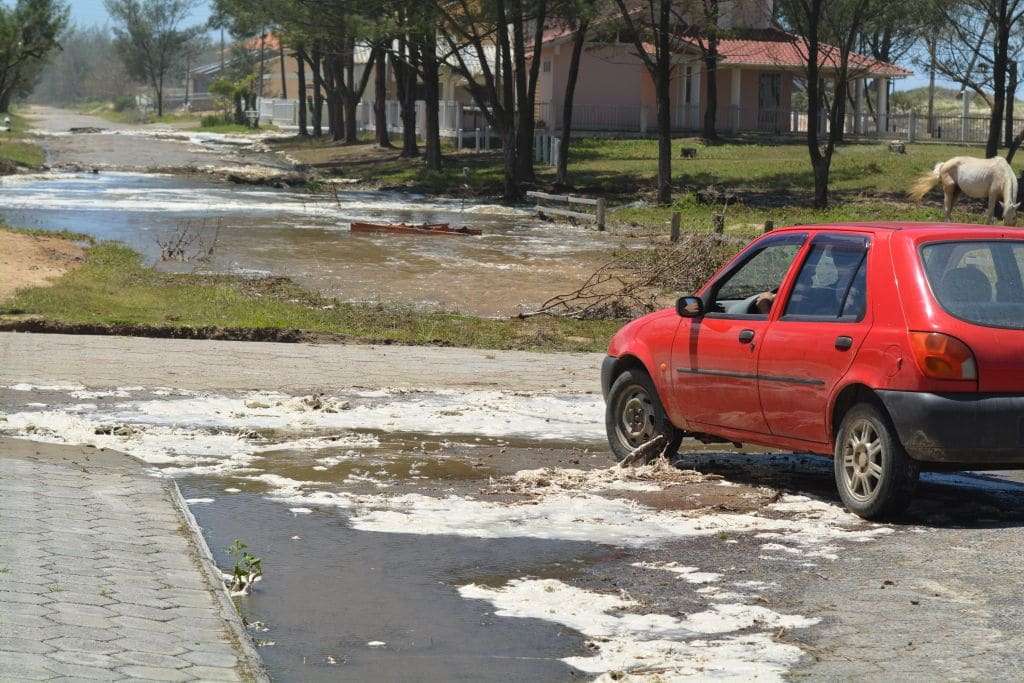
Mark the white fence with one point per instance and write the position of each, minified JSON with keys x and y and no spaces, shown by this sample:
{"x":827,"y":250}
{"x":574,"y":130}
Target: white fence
{"x":467,"y":126}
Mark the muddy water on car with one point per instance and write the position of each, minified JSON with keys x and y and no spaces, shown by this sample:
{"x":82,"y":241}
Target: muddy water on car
{"x":519,"y":261}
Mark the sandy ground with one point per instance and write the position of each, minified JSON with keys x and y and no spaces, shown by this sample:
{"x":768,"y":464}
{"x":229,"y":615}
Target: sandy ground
{"x":29,"y":261}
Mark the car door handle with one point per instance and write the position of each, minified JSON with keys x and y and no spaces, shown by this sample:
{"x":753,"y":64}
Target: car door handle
{"x":844,"y":343}
{"x":746,"y":336}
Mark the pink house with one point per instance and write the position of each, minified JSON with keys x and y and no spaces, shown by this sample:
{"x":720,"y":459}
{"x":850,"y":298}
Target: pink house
{"x":759,"y":67}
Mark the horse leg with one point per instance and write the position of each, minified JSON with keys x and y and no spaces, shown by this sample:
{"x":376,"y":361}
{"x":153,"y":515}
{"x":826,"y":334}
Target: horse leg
{"x":949,"y":199}
{"x":990,"y":214}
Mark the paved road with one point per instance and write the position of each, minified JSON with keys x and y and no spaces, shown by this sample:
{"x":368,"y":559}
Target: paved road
{"x":99,"y":361}
{"x":102,"y":577}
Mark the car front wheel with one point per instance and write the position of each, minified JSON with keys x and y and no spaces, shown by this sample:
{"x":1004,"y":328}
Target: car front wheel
{"x":634,"y":416}
{"x":875,"y":476}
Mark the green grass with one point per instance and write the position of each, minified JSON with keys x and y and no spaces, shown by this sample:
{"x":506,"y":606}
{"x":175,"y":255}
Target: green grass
{"x":16,"y":150}
{"x":69,"y":235}
{"x":114,"y":288}
{"x":772,"y":181}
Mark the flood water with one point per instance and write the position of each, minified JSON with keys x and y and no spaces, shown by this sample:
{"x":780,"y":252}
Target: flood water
{"x":338,"y":601}
{"x":518,"y":262}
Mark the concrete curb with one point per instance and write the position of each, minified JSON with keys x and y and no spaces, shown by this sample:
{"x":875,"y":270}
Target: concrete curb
{"x":252,"y":667}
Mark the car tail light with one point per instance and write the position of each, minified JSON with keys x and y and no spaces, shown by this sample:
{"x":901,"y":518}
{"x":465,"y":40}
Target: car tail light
{"x":941,"y":356}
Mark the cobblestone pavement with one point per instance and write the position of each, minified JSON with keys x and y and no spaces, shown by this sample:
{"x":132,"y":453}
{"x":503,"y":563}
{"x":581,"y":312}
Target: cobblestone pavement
{"x":97,"y":361}
{"x":103,"y":577}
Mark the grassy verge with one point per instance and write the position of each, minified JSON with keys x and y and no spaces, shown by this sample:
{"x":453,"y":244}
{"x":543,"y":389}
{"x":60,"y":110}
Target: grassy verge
{"x":69,"y":235}
{"x":16,"y":150}
{"x":114,"y":289}
{"x":769,"y":181}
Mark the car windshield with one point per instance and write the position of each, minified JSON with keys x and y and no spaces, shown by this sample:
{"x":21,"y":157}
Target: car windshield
{"x":978,"y":281}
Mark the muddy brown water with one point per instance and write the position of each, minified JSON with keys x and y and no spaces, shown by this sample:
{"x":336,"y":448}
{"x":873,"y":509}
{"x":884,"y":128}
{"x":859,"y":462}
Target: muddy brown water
{"x":519,"y":262}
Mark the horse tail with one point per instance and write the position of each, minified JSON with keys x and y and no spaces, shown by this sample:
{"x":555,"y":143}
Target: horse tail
{"x":925,"y":183}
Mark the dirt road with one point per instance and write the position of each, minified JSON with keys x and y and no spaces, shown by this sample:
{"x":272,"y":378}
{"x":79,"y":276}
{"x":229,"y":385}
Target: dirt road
{"x":130,"y":147}
{"x":442,"y":513}
{"x":31,"y":260}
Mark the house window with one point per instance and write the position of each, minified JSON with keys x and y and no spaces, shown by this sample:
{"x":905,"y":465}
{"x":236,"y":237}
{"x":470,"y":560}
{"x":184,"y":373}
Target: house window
{"x":769,"y":95}
{"x":547,"y":66}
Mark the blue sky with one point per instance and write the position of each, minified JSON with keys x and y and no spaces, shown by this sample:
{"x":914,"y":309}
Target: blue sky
{"x":88,"y":12}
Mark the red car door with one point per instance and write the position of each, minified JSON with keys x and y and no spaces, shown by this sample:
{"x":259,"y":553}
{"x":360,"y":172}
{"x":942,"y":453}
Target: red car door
{"x":813,"y":338}
{"x":715,"y":357}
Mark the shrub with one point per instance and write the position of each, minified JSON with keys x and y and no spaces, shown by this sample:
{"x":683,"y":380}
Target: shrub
{"x":124,"y":103}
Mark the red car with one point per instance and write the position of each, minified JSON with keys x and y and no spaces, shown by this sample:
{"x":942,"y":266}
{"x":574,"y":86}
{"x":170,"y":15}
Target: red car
{"x":891,"y":348}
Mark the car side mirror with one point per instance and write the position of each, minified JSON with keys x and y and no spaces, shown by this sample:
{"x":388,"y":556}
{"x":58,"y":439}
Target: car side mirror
{"x":690,"y":307}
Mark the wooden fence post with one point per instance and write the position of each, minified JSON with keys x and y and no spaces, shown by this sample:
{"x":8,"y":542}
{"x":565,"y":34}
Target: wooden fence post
{"x":769,"y":225}
{"x":602,"y":207}
{"x":677,"y":219}
{"x":718,"y":220}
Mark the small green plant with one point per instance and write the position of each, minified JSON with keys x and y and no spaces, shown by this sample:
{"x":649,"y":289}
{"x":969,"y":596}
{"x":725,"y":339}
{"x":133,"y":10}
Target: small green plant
{"x":247,"y":570}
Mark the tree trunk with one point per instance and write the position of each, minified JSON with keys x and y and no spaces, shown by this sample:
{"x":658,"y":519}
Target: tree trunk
{"x":931,"y":85}
{"x":284,"y":71}
{"x":662,"y":85}
{"x":710,"y":56}
{"x":505,"y":114}
{"x":335,"y":114}
{"x":318,"y":94}
{"x":562,"y":174}
{"x":838,"y":127}
{"x":526,"y":85}
{"x":263,"y":64}
{"x":405,"y":80}
{"x":432,"y":97}
{"x":999,"y":64}
{"x":819,"y":162}
{"x":380,"y":100}
{"x":300,"y":61}
{"x":1011,"y":96}
{"x":350,"y":94}
{"x":821,"y":174}
{"x":160,"y":97}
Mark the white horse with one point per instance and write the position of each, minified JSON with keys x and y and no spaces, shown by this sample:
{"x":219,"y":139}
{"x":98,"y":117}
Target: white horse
{"x":979,"y":178}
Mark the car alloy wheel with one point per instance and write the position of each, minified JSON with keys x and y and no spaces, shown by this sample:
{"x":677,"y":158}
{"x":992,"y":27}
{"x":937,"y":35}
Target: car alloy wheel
{"x":636,"y":423}
{"x":862,"y":461}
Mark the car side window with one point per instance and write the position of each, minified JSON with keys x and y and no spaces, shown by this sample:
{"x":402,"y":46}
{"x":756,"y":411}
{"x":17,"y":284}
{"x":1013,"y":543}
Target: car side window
{"x":751,"y":288}
{"x":831,"y":284}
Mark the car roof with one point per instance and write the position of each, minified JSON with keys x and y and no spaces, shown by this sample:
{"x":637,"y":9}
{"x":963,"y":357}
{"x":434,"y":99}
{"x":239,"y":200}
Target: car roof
{"x":911,"y":229}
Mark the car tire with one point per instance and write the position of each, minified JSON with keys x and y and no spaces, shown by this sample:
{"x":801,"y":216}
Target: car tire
{"x":875,"y":476}
{"x":634,"y":416}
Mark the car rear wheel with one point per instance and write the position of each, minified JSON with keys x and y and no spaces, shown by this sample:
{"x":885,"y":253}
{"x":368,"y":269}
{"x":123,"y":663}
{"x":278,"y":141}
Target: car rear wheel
{"x":634,"y":415}
{"x":875,"y":477}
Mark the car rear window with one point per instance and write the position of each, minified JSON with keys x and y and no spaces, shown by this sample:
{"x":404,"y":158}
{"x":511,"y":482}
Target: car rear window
{"x":978,"y":281}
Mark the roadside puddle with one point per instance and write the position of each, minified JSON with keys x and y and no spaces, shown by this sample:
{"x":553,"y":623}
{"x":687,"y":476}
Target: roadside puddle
{"x":381,"y":514}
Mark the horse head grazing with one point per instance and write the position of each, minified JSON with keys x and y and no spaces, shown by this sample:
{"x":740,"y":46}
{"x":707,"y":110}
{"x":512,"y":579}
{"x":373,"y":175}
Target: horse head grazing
{"x":1010,"y":213}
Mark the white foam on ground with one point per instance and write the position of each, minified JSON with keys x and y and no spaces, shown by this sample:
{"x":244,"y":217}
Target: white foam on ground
{"x":688,"y":574}
{"x":610,"y":521}
{"x":478,"y":413}
{"x":46,"y":387}
{"x":656,"y":644}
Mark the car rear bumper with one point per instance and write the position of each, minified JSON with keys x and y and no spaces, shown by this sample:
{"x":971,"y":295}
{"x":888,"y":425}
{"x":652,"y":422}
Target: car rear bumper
{"x":607,"y":367}
{"x":963,"y":429}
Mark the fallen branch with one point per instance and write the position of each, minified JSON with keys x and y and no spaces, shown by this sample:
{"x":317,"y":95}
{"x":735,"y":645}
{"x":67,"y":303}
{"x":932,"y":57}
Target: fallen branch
{"x":644,"y":453}
{"x":635,"y":282}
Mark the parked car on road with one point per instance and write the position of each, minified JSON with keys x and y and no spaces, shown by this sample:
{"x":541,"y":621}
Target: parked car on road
{"x":892,"y":348}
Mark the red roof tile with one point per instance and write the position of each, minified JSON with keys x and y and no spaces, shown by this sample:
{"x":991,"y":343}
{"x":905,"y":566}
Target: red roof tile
{"x":779,"y":49}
